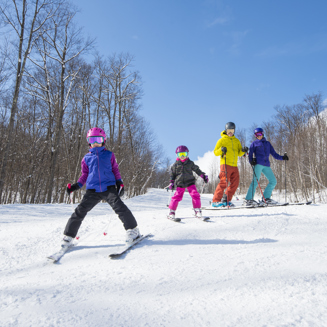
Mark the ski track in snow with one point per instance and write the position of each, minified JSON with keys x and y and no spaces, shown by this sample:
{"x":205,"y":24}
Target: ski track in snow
{"x":251,"y":267}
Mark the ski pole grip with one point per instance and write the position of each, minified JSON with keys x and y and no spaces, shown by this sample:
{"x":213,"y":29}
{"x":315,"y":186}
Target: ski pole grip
{"x":69,"y":185}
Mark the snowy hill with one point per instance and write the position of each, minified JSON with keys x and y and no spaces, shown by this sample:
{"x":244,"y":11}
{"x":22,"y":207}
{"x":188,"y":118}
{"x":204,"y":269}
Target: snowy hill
{"x":248,"y":267}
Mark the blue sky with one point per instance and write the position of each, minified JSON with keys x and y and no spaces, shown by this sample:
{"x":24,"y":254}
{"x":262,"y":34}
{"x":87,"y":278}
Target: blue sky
{"x":204,"y":63}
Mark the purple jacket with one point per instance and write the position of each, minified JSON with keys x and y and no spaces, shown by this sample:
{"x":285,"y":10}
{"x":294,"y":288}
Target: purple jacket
{"x":99,"y":170}
{"x":261,"y":149}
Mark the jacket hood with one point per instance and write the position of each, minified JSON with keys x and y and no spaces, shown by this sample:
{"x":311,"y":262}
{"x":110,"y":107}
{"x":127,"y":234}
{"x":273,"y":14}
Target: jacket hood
{"x":223,"y":134}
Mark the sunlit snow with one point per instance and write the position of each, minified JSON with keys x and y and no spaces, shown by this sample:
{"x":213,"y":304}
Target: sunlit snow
{"x":247,"y":267}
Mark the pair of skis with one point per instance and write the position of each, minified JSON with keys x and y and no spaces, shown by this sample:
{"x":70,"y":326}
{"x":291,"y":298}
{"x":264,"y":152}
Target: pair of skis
{"x":256,"y":206}
{"x":178,"y":220}
{"x":120,"y":251}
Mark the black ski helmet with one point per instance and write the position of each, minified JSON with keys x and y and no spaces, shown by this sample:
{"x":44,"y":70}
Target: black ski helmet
{"x":229,"y":125}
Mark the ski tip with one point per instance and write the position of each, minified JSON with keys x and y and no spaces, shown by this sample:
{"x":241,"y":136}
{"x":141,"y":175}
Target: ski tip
{"x":177,"y":220}
{"x":53,"y":260}
{"x":118,"y":254}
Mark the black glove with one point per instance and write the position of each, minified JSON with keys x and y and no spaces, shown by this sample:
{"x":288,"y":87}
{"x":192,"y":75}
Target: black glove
{"x":245,"y":149}
{"x":120,"y":186}
{"x":285,"y":157}
{"x":223,"y":150}
{"x":253,"y":162}
{"x":72,"y":188}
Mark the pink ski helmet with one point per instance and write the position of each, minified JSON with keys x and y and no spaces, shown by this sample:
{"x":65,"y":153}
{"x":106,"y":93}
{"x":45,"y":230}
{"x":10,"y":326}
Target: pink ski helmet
{"x":182,"y":148}
{"x":96,"y":131}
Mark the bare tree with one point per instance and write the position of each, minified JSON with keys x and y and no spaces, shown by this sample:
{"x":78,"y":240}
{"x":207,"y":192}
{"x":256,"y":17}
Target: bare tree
{"x":25,"y":19}
{"x":62,"y":44}
{"x":60,"y":98}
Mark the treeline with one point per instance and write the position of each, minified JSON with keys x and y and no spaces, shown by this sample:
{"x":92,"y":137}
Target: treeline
{"x":300,"y":130}
{"x":50,"y":96}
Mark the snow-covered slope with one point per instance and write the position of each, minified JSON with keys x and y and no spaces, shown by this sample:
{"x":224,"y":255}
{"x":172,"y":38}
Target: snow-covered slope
{"x":248,"y":267}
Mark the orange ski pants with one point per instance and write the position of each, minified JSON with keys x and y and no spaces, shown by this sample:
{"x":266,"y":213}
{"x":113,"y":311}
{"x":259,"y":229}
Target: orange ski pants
{"x":233,"y":178}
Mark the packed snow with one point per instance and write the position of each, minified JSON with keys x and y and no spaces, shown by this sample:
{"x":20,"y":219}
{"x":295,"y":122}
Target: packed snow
{"x":245,"y":267}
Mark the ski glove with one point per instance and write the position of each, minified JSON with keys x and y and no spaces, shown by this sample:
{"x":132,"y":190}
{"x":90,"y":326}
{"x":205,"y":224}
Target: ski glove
{"x":245,"y":149}
{"x":120,"y":187}
{"x":205,"y":178}
{"x":171,"y":185}
{"x":253,"y":162}
{"x":285,"y":157}
{"x":223,"y":150}
{"x":72,"y":188}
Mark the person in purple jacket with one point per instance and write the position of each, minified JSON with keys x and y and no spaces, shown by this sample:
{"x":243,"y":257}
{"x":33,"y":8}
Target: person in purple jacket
{"x":101,"y":175}
{"x":259,"y":153}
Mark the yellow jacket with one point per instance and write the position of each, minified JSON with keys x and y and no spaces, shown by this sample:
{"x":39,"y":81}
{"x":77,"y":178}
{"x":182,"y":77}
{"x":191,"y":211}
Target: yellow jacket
{"x":234,"y":149}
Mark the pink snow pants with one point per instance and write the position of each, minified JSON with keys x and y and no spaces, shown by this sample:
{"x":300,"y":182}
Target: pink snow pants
{"x":178,"y":196}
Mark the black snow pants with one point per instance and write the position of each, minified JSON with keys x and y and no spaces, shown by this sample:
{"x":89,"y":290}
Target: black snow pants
{"x":90,"y":200}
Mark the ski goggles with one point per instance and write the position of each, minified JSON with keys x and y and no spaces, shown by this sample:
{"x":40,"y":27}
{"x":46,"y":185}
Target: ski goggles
{"x":95,"y":139}
{"x":230,"y":131}
{"x":182,"y":154}
{"x":258,"y":134}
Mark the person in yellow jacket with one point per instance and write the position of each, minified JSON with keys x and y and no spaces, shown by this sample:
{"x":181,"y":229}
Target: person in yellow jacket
{"x":229,"y":148}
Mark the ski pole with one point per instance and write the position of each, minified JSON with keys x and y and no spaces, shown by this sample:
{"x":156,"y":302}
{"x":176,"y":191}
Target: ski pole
{"x":71,"y":197}
{"x":285,"y":176}
{"x":170,"y":195}
{"x":252,"y":186}
{"x":204,"y":183}
{"x":253,"y":156}
{"x":258,"y":184}
{"x":226,"y":182}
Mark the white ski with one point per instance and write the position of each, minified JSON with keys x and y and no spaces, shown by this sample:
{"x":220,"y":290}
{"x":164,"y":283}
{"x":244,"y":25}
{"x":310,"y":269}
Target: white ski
{"x":125,"y":248}
{"x":58,"y":255}
{"x":177,"y":220}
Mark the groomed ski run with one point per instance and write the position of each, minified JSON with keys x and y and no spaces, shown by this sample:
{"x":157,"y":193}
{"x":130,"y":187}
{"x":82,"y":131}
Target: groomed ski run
{"x":245,"y":268}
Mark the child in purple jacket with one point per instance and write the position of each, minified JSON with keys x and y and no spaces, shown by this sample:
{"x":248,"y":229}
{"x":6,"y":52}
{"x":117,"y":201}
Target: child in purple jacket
{"x":101,"y":174}
{"x":259,"y":153}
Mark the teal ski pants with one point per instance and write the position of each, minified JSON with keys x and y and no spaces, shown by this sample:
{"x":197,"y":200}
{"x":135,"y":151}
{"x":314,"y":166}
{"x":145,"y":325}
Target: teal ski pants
{"x":267,"y":171}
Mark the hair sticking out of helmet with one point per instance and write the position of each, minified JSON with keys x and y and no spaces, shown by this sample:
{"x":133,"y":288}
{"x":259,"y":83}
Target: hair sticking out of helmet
{"x":229,"y":125}
{"x":96,"y":131}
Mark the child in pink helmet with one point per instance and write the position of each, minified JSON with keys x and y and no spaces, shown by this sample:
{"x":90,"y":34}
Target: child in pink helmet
{"x":182,"y":177}
{"x":101,"y":175}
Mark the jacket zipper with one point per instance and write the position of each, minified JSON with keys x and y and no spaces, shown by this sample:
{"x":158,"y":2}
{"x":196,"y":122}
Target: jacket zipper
{"x":233,"y":152}
{"x":99,"y":169}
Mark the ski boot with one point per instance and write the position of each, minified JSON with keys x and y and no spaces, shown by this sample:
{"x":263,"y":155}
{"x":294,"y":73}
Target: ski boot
{"x":250,"y":203}
{"x":132,"y":235}
{"x":171,"y":216}
{"x":198,"y":213}
{"x":67,"y":242}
